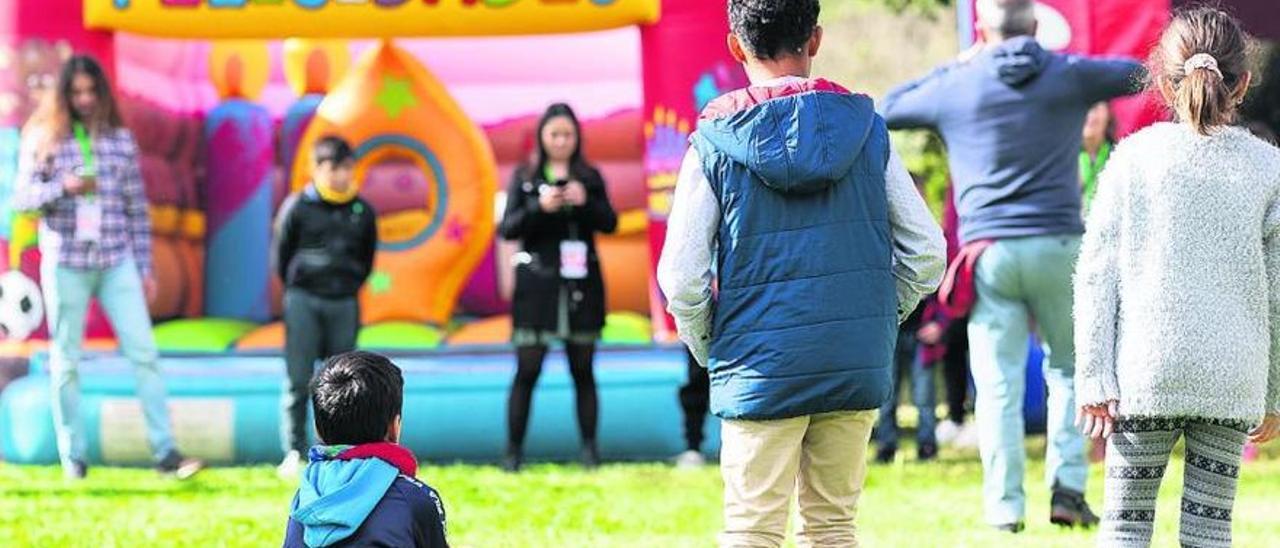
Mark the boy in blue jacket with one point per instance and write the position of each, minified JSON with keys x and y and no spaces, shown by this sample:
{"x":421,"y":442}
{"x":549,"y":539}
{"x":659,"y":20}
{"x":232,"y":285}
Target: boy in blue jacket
{"x":821,"y":246}
{"x":359,"y":488}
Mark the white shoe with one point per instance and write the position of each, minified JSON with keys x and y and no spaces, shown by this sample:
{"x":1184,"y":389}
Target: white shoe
{"x":690,"y":460}
{"x":947,"y":432}
{"x":290,"y":468}
{"x":968,"y":437}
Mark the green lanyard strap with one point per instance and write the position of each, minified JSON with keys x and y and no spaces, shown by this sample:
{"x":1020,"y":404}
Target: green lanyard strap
{"x":1091,"y":168}
{"x":86,"y":146}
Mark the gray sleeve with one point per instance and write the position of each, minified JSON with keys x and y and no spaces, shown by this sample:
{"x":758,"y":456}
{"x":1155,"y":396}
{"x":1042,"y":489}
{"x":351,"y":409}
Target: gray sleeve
{"x":914,"y":105}
{"x":1272,"y":250}
{"x":1097,"y":291}
{"x":685,"y":270}
{"x":919,"y":248}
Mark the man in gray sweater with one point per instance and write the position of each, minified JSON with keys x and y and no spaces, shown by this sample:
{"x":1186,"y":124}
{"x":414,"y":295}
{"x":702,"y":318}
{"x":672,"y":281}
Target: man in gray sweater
{"x":1011,"y":118}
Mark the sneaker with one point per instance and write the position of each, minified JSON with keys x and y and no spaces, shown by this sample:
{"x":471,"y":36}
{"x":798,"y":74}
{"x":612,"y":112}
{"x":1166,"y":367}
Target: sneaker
{"x":290,"y":468}
{"x":1013,"y":528}
{"x":590,"y":456}
{"x":947,"y":432}
{"x":690,"y":460}
{"x":885,"y":454}
{"x":926,"y":452}
{"x":77,"y":470}
{"x":968,"y":437}
{"x":179,"y":467}
{"x":513,"y":461}
{"x":1069,"y":509}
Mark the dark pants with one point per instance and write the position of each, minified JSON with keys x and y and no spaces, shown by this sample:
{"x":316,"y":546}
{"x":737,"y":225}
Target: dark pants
{"x":695,"y":401}
{"x":956,"y":369}
{"x":529,"y":367}
{"x":315,"y":329}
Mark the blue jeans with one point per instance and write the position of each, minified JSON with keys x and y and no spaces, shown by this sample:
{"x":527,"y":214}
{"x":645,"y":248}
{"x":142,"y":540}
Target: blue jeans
{"x":1018,"y":281}
{"x":923,"y":395}
{"x":67,"y":293}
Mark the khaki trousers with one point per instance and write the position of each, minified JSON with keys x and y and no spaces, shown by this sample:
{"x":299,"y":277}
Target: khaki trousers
{"x":763,"y":462}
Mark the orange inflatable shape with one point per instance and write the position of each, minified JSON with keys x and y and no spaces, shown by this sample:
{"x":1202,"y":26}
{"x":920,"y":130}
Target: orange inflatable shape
{"x":489,"y":331}
{"x":392,"y":110}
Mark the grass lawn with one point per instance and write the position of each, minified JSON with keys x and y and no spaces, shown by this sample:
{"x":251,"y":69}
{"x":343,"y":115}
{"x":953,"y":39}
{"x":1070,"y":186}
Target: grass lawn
{"x":906,"y":504}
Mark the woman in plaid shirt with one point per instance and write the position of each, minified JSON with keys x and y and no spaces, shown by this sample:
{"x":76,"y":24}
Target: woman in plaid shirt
{"x":79,"y":170}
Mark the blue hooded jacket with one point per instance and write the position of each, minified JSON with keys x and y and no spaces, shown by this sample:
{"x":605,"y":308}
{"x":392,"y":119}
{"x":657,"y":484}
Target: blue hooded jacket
{"x":1012,"y":120}
{"x":346,"y":501}
{"x":806,"y":315}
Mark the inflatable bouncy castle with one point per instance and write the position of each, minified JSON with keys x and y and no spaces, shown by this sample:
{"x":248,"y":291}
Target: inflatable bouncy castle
{"x":440,"y":99}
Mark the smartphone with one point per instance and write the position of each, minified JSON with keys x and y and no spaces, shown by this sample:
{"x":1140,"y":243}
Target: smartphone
{"x":89,"y":176}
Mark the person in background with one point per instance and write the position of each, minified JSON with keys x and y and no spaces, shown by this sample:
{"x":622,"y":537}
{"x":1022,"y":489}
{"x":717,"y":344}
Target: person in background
{"x":326,"y":238}
{"x":953,"y":350}
{"x":1178,"y":291}
{"x":695,"y":402}
{"x":909,"y":362}
{"x":920,"y":330}
{"x":555,"y":207}
{"x":1010,"y":115}
{"x":80,"y":172}
{"x":1099,"y":139}
{"x":361,"y":487}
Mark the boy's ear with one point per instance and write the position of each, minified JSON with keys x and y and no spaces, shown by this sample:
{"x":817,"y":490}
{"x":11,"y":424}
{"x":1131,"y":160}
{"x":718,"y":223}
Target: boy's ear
{"x":393,"y":431}
{"x":738,"y":52}
{"x":815,"y":41}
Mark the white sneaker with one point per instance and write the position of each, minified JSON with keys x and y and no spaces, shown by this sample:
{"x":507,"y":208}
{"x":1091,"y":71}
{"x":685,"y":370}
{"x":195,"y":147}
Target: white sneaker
{"x":947,"y":432}
{"x":968,"y":437}
{"x":690,"y":460}
{"x":290,"y":468}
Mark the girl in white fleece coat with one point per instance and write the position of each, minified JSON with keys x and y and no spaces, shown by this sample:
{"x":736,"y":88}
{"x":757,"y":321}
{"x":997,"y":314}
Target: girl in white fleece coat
{"x":1178,"y":293}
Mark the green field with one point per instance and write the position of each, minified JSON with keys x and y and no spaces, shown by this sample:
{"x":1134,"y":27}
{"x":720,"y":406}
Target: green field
{"x":643,"y":505}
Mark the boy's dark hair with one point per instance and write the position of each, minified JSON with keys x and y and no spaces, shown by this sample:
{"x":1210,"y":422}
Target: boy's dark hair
{"x":331,"y":149}
{"x":769,"y":29}
{"x":356,"y":396}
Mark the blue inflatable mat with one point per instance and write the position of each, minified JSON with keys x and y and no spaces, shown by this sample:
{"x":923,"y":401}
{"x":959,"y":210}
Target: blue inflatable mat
{"x":226,"y":408}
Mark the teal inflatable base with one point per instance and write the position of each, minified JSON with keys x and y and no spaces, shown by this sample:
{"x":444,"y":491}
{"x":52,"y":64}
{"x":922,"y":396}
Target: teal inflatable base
{"x":227,"y":409}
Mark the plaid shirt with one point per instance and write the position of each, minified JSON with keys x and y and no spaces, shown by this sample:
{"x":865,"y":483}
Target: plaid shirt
{"x":126,"y":224}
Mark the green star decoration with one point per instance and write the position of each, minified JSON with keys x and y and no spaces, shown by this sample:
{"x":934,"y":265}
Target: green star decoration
{"x":395,"y":95}
{"x":379,"y":282}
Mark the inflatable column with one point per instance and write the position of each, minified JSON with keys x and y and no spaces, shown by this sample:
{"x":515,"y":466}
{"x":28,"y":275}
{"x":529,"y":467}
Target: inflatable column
{"x":239,"y":159}
{"x":312,"y":67}
{"x":680,"y":77}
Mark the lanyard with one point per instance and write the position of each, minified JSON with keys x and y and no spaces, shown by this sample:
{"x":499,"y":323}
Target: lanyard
{"x":86,"y":147}
{"x":1090,"y":168}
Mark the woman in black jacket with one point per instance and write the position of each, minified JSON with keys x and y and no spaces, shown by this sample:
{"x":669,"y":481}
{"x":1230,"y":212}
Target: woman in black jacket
{"x":554,"y":209}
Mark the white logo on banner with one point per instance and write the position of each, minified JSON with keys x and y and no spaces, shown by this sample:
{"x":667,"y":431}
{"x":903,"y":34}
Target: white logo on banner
{"x":1054,"y":32}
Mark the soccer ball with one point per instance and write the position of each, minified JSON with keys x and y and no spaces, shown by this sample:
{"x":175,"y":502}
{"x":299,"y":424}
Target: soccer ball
{"x":21,"y":308}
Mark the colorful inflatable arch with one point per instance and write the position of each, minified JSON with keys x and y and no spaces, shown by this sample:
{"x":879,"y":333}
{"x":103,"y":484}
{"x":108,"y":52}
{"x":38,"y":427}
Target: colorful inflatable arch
{"x":441,"y":105}
{"x":400,"y":118}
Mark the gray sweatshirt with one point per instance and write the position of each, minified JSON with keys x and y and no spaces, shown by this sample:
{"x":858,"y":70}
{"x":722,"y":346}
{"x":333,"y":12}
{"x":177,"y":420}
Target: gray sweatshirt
{"x":1178,"y":286}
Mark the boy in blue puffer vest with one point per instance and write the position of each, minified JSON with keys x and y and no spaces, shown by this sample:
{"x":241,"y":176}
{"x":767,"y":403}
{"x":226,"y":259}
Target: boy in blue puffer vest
{"x":360,"y":489}
{"x":822,"y":246}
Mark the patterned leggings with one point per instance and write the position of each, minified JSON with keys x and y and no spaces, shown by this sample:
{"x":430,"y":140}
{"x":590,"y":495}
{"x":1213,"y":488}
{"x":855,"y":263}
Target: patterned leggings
{"x":1137,"y":455}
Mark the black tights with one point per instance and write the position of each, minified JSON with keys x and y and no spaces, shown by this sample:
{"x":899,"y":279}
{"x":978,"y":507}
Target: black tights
{"x":529,"y":367}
